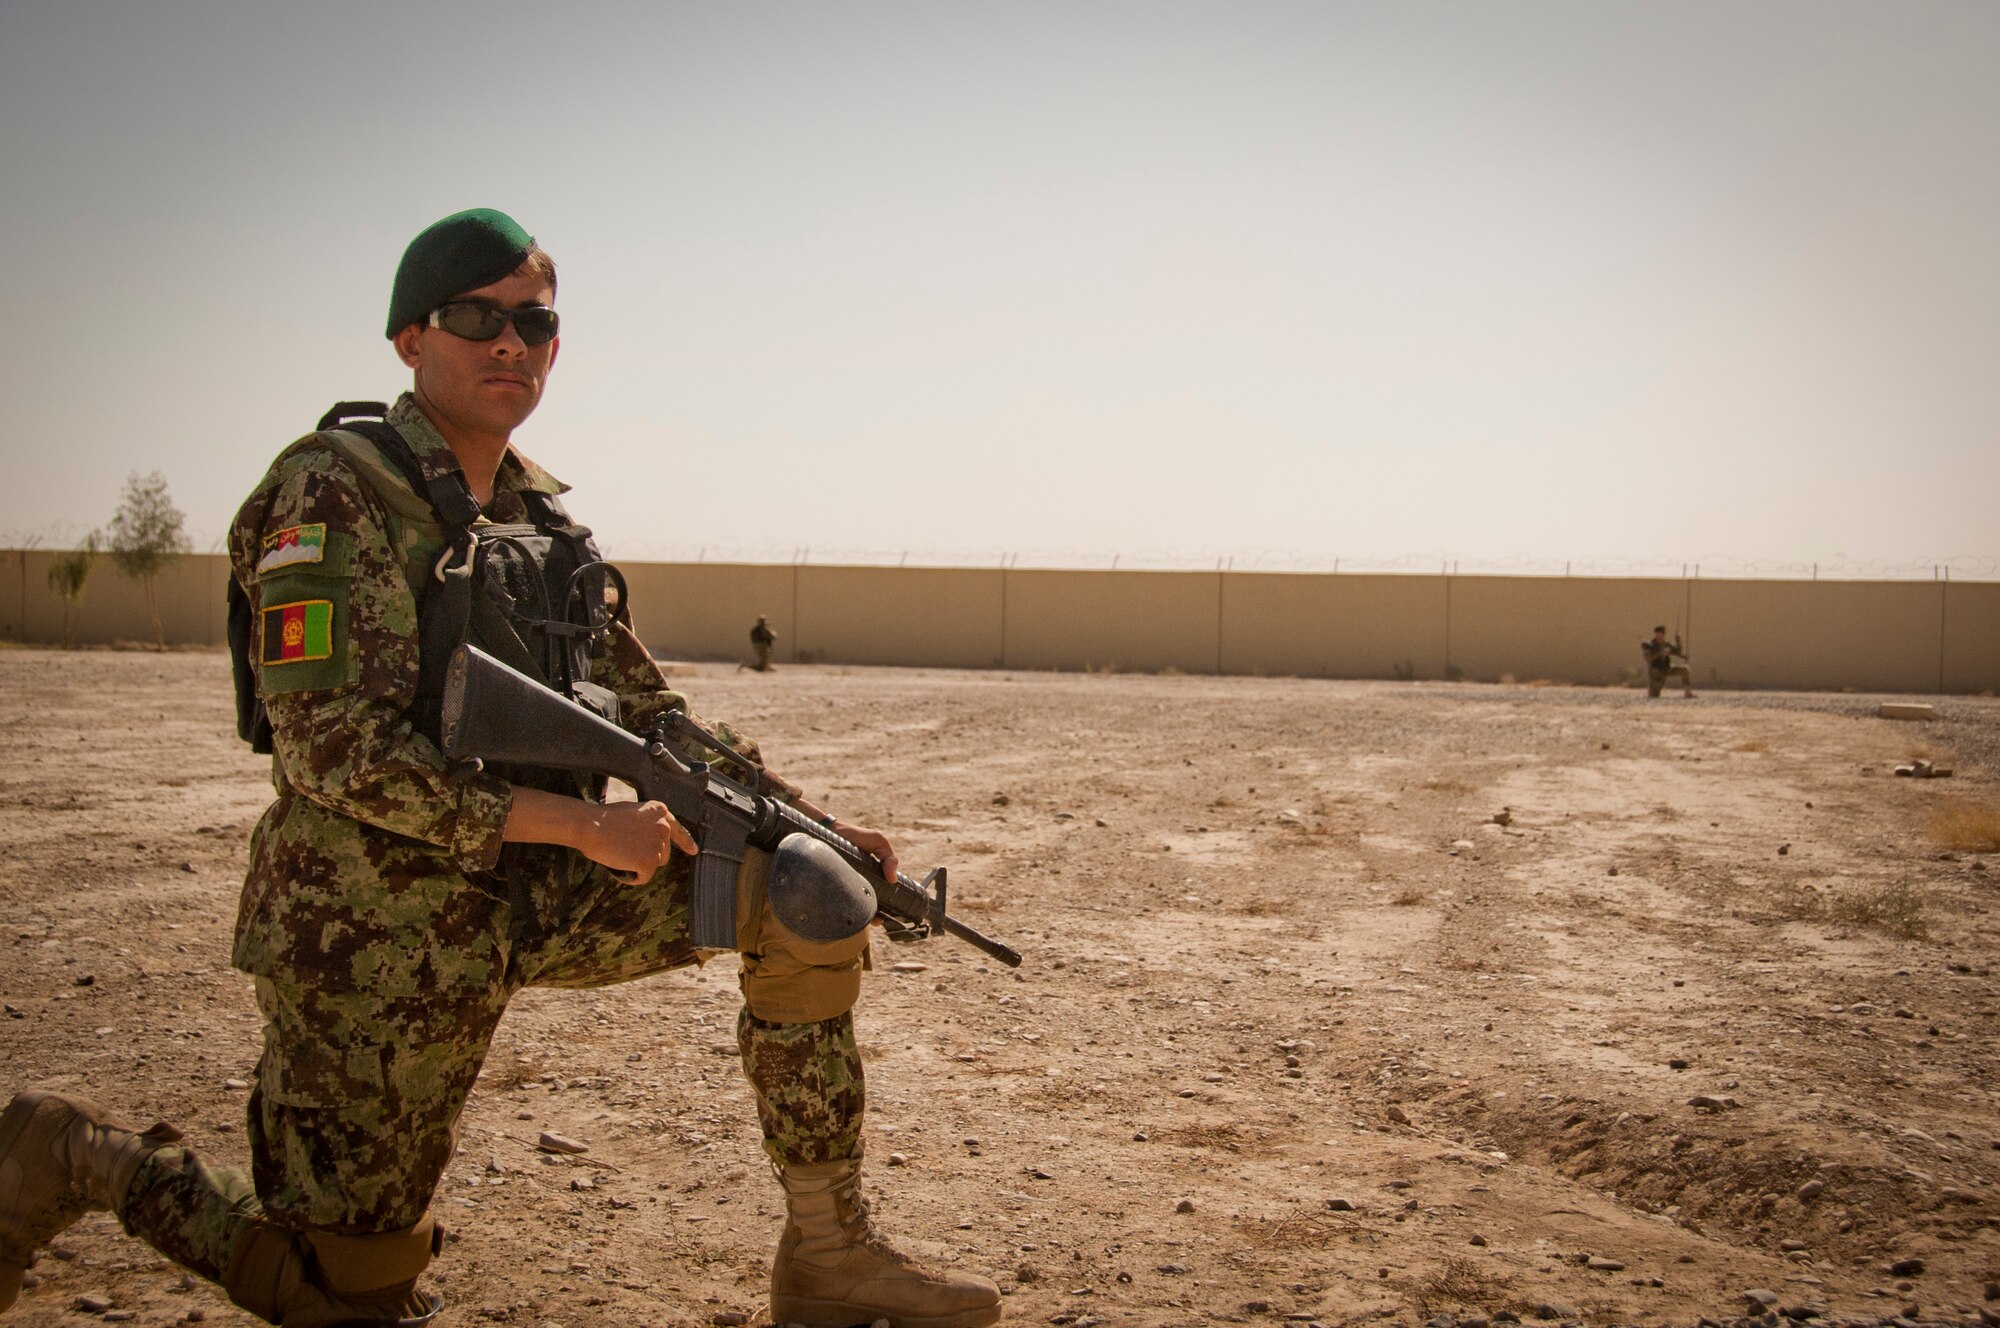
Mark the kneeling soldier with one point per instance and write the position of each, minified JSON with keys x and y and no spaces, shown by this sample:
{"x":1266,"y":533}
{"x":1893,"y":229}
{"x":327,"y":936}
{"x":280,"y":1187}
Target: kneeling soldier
{"x":393,"y":905}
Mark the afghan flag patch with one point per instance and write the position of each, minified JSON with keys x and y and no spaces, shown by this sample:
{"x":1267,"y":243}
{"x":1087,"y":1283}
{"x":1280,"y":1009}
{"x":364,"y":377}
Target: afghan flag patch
{"x":294,"y":633}
{"x":294,"y":544}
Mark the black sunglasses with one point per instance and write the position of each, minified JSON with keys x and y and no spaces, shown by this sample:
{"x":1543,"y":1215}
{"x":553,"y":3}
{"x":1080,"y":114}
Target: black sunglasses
{"x":476,"y":320}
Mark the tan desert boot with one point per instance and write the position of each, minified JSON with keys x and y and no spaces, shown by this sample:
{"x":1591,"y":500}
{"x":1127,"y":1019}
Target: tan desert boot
{"x":58,"y":1161}
{"x":832,"y":1269}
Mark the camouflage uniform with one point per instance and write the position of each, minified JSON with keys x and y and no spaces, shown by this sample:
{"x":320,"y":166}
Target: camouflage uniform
{"x":382,"y":919}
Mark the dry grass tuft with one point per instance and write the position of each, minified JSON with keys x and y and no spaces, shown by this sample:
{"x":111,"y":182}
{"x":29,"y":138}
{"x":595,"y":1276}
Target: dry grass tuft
{"x":1456,"y":1283}
{"x":1894,"y":908}
{"x":1408,"y":896}
{"x":1306,"y":1229}
{"x":1969,"y":827}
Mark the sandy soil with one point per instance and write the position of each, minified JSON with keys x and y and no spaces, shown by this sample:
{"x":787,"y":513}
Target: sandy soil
{"x":1303,"y":1033}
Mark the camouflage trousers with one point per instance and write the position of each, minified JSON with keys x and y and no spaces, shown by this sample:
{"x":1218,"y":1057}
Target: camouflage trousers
{"x":353,"y":1118}
{"x":1656,"y":679}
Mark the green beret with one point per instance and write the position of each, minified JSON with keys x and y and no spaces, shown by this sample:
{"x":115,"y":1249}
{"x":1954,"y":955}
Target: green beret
{"x":463,"y":252}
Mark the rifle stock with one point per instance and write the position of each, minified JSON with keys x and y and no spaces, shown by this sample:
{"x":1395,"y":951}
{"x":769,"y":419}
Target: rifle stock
{"x":495,"y":713}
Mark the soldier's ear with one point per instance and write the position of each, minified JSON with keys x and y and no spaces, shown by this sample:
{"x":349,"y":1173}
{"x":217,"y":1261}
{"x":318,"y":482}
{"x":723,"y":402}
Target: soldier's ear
{"x":408,"y":344}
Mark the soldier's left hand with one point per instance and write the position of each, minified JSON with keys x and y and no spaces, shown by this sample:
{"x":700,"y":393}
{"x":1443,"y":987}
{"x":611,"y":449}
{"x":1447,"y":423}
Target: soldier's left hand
{"x":872,"y":842}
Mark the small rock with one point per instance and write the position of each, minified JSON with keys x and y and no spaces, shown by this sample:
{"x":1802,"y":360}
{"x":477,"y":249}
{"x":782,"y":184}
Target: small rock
{"x":1172,"y":1269}
{"x":1677,"y":1063}
{"x":235,"y":1083}
{"x":95,"y":1303}
{"x":1140,"y":1136}
{"x":1027,"y":1272}
{"x":86,"y":980}
{"x":1790,"y":1245}
{"x":899,"y":1159}
{"x":583,"y":1183}
{"x":729,"y":1318}
{"x":556,"y":1143}
{"x":1906,"y":1267}
{"x":1758,"y":1301}
{"x":1597,"y":1263}
{"x":188,"y":867}
{"x":1505,"y":816}
{"x":1398,"y":1115}
{"x":1810,"y":1191}
{"x":1001,"y":800}
{"x":908,"y":966}
{"x":1184,"y":1206}
{"x":1712,"y":1102}
{"x":1212,"y":1078}
{"x":1478,"y":1240}
{"x":1340,"y":1205}
{"x":1612,"y":872}
{"x":1863,"y":1008}
{"x":1784,"y":850}
{"x":120,"y":1316}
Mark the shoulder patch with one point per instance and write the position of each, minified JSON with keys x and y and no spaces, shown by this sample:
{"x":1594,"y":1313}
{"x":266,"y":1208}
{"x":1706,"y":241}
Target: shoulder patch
{"x":295,"y":633}
{"x":294,"y":544}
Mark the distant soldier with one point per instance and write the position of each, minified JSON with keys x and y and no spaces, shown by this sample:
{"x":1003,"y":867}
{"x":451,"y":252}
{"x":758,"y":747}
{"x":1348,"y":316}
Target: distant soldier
{"x":1660,"y":666}
{"x":762,"y":638}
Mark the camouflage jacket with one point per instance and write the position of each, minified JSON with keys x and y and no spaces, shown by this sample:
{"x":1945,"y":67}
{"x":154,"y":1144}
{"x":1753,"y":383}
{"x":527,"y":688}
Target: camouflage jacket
{"x":375,"y":869}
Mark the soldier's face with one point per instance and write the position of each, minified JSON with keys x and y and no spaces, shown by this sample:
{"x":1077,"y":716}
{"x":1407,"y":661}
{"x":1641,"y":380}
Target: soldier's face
{"x":484,"y":388}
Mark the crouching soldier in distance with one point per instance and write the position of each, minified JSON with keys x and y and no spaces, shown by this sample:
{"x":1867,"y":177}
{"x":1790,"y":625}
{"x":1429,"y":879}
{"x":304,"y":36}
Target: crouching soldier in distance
{"x":394,"y":904}
{"x":1660,"y":664}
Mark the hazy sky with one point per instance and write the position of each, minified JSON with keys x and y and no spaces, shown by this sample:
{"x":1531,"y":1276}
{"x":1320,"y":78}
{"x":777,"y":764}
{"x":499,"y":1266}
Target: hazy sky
{"x":1176,"y":282}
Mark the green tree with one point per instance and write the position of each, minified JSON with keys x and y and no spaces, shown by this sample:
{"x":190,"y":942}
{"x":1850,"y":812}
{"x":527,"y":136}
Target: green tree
{"x":146,"y":537}
{"x":67,"y":574}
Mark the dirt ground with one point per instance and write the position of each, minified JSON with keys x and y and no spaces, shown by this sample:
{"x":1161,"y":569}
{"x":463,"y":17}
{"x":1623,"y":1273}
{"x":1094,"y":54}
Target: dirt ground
{"x":1303,"y":1032}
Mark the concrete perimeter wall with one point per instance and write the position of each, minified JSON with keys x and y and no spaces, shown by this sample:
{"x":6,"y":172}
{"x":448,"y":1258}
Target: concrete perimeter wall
{"x":1890,"y":636}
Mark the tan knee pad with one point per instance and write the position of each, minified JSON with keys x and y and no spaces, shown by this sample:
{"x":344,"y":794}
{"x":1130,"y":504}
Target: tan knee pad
{"x":786,"y":978}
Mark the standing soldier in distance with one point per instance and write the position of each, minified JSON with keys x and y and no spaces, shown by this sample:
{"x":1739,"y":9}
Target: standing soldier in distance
{"x":394,"y":905}
{"x":1660,"y":664}
{"x":762,"y":638}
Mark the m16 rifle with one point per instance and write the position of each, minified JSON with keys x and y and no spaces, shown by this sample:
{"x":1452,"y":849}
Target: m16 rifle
{"x":831,"y":888}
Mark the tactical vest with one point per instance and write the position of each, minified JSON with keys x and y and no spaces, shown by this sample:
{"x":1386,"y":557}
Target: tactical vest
{"x":537,"y":596}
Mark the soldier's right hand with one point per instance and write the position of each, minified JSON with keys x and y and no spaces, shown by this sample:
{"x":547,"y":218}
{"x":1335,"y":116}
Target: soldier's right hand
{"x":636,"y":839}
{"x":633,"y":839}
